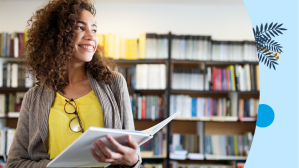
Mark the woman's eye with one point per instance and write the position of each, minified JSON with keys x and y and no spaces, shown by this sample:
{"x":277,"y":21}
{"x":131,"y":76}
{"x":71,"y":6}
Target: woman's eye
{"x":79,"y":27}
{"x":94,"y":31}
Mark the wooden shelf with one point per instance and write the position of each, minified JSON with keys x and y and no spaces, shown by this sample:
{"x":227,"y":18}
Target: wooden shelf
{"x":201,"y":91}
{"x":13,"y":59}
{"x":213,"y":91}
{"x":9,"y":89}
{"x":141,"y":61}
{"x":230,"y":62}
{"x":219,"y":119}
{"x":176,"y":61}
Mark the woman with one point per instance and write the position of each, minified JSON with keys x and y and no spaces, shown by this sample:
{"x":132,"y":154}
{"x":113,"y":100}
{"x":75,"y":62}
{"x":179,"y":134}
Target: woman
{"x":75,"y":90}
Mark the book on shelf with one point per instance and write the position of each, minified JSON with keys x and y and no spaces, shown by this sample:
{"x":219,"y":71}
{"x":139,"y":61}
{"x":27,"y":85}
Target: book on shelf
{"x":147,"y":46}
{"x":177,"y":164}
{"x":187,"y":47}
{"x":207,"y":108}
{"x":228,"y":145}
{"x":10,"y":104}
{"x":12,"y":76}
{"x":185,"y":146}
{"x":145,"y":76}
{"x":155,"y":147}
{"x":234,"y":51}
{"x":188,"y":79}
{"x":6,"y":137}
{"x":240,"y":165}
{"x":12,"y":44}
{"x":233,"y":78}
{"x":180,"y":154}
{"x":248,"y":109}
{"x":148,"y":106}
{"x":153,"y":165}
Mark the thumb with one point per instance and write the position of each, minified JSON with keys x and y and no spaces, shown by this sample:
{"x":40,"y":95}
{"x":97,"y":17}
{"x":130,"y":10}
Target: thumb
{"x":132,"y":142}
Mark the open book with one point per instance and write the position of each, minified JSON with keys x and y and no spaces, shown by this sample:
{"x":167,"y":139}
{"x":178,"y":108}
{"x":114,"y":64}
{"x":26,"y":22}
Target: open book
{"x":78,"y":154}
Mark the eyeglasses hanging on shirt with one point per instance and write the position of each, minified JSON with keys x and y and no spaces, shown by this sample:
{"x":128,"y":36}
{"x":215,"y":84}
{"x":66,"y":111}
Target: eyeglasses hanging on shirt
{"x":75,"y":124}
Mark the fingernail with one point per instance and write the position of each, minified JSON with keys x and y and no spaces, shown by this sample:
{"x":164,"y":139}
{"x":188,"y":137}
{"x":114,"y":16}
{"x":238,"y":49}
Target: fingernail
{"x":108,"y":136}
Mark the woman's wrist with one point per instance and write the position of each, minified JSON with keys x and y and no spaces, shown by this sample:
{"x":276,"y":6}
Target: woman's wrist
{"x":133,"y":163}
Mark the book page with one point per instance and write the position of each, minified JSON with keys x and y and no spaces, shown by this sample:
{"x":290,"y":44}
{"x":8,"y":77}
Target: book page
{"x":154,"y":129}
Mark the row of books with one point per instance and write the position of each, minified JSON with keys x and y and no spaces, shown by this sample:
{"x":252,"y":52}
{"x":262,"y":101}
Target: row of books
{"x":12,"y":44}
{"x":148,"y":106}
{"x":187,"y":47}
{"x":234,"y":51}
{"x":248,"y":107}
{"x":188,"y":142}
{"x":228,"y":145}
{"x":150,"y":76}
{"x":155,"y":146}
{"x":11,"y":75}
{"x":176,"y":164}
{"x":6,"y":137}
{"x":184,"y":47}
{"x":233,"y":78}
{"x":207,"y":108}
{"x":10,"y":104}
{"x":147,"y":46}
{"x":152,"y":165}
{"x":188,"y":79}
{"x":145,"y":76}
{"x":129,"y":75}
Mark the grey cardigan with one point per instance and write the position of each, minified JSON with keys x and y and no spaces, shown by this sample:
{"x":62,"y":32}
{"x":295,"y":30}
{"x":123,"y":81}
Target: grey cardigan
{"x":28,"y":148}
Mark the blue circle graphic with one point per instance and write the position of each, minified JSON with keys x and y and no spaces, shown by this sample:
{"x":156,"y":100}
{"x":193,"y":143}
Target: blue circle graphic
{"x":265,"y":116}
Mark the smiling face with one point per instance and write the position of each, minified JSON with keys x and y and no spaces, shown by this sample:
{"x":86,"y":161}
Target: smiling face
{"x":85,"y":38}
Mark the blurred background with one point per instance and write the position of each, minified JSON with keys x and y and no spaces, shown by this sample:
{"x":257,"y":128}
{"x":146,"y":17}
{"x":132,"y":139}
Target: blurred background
{"x":193,"y":56}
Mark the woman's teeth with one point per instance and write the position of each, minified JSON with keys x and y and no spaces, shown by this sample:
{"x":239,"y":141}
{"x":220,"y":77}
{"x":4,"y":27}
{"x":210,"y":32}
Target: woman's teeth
{"x":88,"y":47}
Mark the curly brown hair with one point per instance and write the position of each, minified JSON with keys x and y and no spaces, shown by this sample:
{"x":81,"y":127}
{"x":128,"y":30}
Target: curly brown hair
{"x":50,"y":46}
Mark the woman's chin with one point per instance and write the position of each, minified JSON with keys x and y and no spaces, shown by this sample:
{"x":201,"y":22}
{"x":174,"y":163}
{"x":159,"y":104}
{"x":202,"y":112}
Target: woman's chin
{"x":85,"y":59}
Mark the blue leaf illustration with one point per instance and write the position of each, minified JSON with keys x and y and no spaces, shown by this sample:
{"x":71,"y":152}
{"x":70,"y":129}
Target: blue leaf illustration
{"x":257,"y":31}
{"x":271,"y":33}
{"x":282,"y":29}
{"x":266,"y":26}
{"x":274,"y":26}
{"x":279,"y":25}
{"x":275,"y":32}
{"x":270,"y":26}
{"x":270,"y":66}
{"x":261,"y":29}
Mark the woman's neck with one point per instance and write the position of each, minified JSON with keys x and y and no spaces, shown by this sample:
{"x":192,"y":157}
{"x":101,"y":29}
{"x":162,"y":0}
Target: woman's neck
{"x":77,"y":73}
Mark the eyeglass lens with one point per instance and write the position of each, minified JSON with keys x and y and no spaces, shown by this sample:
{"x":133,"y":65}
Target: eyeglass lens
{"x":70,"y":107}
{"x":75,"y":124}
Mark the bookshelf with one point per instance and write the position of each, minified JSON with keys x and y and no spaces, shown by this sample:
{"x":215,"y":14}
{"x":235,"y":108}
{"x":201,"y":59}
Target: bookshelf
{"x":192,"y":125}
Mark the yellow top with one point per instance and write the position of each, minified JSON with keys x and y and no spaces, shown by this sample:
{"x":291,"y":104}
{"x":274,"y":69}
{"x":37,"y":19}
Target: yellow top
{"x":60,"y":135}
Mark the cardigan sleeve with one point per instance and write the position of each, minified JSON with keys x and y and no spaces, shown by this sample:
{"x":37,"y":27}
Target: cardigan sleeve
{"x":18,"y":156}
{"x":121,"y":94}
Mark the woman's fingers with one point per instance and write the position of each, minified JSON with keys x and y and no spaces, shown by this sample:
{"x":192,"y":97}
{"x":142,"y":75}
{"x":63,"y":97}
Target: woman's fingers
{"x":100,"y":157}
{"x":99,"y":151}
{"x":132,"y":143}
{"x":95,"y":155}
{"x":109,"y":155}
{"x":105,"y":149}
{"x":117,"y":146}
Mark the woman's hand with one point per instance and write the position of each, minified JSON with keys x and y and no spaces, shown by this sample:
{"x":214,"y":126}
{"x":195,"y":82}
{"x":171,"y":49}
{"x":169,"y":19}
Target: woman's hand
{"x":125,"y":155}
